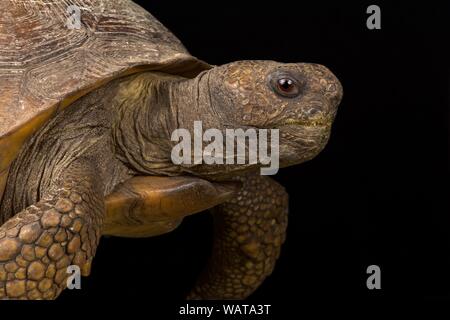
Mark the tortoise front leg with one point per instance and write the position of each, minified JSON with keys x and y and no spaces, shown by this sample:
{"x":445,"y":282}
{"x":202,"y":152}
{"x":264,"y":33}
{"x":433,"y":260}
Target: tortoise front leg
{"x":63,"y":228}
{"x":249,"y":231}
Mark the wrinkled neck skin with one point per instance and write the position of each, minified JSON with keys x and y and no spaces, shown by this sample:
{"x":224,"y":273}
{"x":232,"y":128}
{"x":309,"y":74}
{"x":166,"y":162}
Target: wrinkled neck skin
{"x":149,"y":107}
{"x":143,"y":122}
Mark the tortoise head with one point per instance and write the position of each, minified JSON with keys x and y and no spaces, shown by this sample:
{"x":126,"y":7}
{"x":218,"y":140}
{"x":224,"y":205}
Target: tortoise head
{"x":299,"y":99}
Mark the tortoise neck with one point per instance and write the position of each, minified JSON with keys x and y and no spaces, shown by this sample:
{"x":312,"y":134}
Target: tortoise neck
{"x":149,"y":107}
{"x":190,"y":101}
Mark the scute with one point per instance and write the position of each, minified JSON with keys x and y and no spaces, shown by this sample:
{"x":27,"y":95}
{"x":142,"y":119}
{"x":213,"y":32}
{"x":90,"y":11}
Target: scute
{"x":45,"y":65}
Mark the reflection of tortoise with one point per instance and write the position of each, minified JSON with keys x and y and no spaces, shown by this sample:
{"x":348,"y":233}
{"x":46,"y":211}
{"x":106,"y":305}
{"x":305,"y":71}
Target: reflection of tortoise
{"x":87,"y":115}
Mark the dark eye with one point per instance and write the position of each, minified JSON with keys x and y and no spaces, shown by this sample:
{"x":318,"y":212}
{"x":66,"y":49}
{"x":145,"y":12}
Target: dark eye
{"x":286,"y":87}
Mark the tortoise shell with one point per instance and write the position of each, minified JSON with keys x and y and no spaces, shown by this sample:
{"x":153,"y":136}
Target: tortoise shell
{"x":49,"y":59}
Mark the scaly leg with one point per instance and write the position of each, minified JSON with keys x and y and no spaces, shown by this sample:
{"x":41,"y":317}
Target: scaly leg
{"x":249,"y":231}
{"x":63,"y":228}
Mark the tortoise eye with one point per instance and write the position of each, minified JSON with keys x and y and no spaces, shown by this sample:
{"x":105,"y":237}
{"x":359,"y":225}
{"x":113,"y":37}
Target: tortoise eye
{"x":286,"y":87}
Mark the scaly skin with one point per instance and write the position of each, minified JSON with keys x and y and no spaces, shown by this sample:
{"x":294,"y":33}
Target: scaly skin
{"x":39,"y":243}
{"x":249,"y":232}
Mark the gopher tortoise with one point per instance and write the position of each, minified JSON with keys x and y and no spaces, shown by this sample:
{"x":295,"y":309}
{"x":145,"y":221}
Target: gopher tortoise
{"x":86,"y":120}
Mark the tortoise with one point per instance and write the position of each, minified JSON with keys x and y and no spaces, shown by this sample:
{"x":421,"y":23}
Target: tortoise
{"x":86,"y":117}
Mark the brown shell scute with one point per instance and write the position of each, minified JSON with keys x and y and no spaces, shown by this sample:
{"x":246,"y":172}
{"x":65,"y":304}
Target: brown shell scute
{"x":45,"y":65}
{"x":42,"y":60}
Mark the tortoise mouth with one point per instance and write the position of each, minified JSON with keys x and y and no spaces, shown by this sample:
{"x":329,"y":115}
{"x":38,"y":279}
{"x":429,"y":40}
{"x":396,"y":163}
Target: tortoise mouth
{"x":323,"y":122}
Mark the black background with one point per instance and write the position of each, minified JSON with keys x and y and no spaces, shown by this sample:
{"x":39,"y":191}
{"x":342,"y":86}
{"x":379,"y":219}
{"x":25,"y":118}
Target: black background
{"x":376,"y":195}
